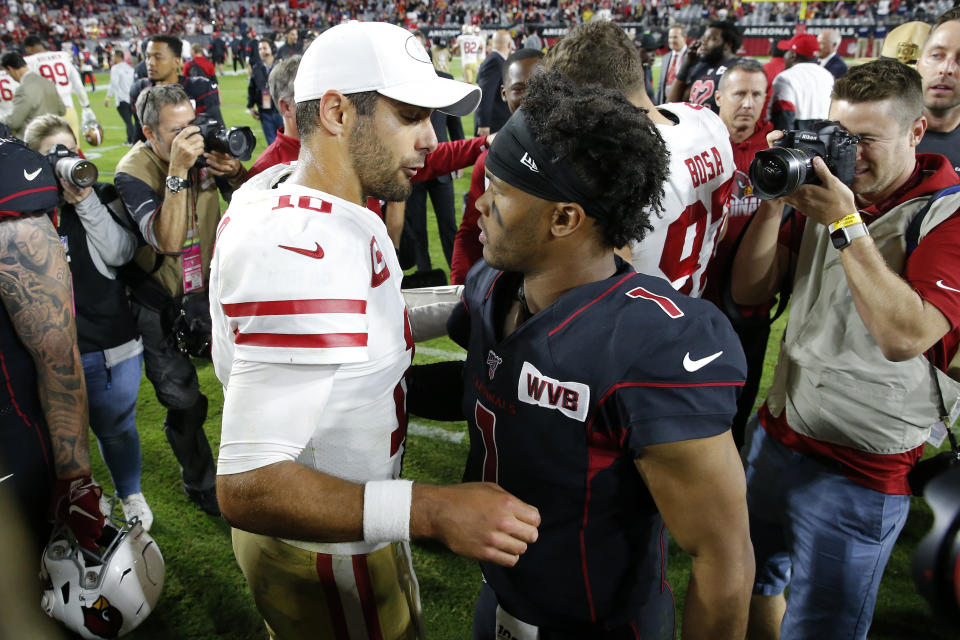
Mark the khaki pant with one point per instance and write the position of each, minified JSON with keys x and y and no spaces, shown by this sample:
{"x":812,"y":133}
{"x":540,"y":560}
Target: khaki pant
{"x":302,"y":594}
{"x":470,"y":72}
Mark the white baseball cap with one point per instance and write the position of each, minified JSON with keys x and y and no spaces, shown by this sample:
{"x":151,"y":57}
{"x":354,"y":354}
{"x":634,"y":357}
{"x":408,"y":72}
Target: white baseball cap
{"x":377,"y":56}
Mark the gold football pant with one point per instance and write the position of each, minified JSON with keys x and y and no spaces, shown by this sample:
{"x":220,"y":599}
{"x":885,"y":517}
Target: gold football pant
{"x":303,"y":594}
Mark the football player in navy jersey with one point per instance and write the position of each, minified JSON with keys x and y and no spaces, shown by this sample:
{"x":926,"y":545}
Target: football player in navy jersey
{"x":599,"y":395}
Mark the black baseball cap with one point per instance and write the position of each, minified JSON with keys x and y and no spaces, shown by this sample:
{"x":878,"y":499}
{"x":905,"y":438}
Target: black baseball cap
{"x":29,"y":184}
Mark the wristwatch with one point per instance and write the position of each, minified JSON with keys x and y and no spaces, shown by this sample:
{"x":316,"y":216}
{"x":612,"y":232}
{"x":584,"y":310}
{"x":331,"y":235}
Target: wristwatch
{"x":176,"y":184}
{"x":843,"y":236}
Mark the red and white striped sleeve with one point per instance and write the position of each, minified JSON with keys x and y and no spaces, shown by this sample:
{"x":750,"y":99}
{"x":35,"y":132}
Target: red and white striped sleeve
{"x":297,"y":299}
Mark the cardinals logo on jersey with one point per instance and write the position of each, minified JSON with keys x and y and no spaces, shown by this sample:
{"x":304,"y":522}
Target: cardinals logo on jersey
{"x":103,"y":619}
{"x":380,"y":270}
{"x":493,"y":361}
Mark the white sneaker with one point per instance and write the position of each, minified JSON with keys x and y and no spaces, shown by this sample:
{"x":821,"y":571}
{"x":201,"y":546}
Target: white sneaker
{"x":136,"y":505}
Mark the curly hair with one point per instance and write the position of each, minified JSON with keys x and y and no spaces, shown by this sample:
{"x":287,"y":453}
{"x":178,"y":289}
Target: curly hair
{"x":729,"y":32}
{"x":883,"y":80}
{"x":612,"y":146}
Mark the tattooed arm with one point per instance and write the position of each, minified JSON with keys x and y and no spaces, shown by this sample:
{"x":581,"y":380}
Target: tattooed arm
{"x":35,"y":289}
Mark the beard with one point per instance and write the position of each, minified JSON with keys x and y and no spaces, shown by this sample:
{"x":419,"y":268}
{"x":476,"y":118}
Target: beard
{"x":371,"y":161}
{"x":712,"y":56}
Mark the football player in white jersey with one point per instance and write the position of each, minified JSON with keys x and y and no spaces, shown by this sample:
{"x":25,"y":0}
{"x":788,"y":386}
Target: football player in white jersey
{"x":684,"y":236}
{"x":311,"y":342}
{"x":472,"y":47}
{"x":57,"y":67}
{"x":7,"y":86}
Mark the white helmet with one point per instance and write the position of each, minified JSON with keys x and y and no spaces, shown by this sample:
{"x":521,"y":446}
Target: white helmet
{"x":105,"y":594}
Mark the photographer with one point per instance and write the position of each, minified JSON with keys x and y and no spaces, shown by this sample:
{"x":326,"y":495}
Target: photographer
{"x":110,"y":348}
{"x":176,"y":205}
{"x":873,"y":326}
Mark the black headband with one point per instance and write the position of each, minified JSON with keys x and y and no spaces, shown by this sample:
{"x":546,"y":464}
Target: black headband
{"x":519,"y":160}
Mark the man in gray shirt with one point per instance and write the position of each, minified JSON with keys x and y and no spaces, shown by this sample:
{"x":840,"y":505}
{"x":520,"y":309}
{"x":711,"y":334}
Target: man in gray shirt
{"x":941,"y":88}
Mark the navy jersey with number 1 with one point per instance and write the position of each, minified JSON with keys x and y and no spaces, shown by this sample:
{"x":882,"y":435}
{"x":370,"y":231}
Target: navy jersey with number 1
{"x":558,"y":412}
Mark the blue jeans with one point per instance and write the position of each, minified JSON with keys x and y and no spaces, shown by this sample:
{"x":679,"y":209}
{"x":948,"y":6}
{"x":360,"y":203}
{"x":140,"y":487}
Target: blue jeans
{"x":822,"y":534}
{"x":271,"y":121}
{"x":112,"y":396}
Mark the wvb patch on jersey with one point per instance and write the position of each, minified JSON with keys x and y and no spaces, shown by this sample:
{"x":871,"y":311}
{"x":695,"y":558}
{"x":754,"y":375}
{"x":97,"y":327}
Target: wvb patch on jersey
{"x":572,"y":399}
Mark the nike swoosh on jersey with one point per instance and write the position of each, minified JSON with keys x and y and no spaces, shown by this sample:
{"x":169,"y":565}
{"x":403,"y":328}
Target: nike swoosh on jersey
{"x":943,"y":286}
{"x":692,"y":365}
{"x":310,"y":253}
{"x":30,"y":176}
{"x":7,"y":477}
{"x":74,"y":508}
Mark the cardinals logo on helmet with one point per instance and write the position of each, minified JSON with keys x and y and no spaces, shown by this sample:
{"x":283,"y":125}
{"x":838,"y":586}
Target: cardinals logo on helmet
{"x":103,"y":618}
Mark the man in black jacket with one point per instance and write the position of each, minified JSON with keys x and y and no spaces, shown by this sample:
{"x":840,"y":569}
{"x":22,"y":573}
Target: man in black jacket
{"x":493,"y":113}
{"x":260,"y":103}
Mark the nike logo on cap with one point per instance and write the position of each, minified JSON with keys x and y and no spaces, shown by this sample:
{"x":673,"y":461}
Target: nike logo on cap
{"x":30,"y":176}
{"x":943,"y":286}
{"x":310,"y":253}
{"x":692,"y":365}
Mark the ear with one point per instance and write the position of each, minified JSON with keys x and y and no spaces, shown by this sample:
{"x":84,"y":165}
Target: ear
{"x":917,"y":130}
{"x":150,"y":135}
{"x":335,"y":111}
{"x":288,"y":108}
{"x":568,"y":218}
{"x":503,"y":93}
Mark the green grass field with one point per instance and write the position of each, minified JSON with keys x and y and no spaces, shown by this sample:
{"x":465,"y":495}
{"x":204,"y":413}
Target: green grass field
{"x":205,"y":596}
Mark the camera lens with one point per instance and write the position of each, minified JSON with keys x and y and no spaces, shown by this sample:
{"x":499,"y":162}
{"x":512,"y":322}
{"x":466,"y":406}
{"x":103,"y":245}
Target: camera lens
{"x":77,"y":171}
{"x":778,"y":171}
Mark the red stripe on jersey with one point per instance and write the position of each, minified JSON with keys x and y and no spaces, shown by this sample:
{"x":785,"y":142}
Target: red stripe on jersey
{"x":669,"y":306}
{"x":598,"y":459}
{"x":492,"y":284}
{"x":621,"y":385}
{"x":293,"y":307}
{"x":302,"y":340}
{"x":16,"y":406}
{"x":338,"y":620}
{"x":26,"y":192}
{"x":584,"y":307}
{"x":368,"y":602}
{"x":400,"y":406}
{"x":208,"y":93}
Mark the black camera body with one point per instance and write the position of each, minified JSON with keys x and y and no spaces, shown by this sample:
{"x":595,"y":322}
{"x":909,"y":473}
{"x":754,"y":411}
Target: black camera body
{"x":781,"y":170}
{"x":70,"y":167}
{"x":238,"y":142}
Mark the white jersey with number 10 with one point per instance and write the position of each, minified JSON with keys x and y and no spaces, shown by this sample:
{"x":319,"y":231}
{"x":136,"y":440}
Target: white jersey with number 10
{"x":684,"y":236}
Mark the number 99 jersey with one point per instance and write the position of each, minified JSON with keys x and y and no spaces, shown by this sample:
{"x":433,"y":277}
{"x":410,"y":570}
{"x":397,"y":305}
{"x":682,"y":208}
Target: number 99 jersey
{"x":684,"y":235}
{"x":57,"y":67}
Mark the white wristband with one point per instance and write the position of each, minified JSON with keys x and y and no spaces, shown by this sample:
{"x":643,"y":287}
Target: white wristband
{"x":386,"y":510}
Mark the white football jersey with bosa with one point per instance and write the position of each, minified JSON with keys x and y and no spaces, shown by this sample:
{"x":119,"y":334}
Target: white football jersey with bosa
{"x":310,"y":335}
{"x":57,"y":67}
{"x":685,"y":234}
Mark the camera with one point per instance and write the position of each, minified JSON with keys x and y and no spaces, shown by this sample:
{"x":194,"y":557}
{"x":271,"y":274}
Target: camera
{"x":781,"y":170}
{"x":238,"y":142}
{"x":70,"y":167}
